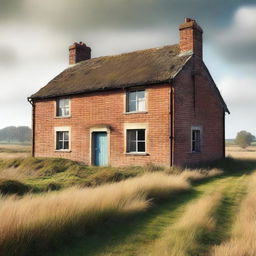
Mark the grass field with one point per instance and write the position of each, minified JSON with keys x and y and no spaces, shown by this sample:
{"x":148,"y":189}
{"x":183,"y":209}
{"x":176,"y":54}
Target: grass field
{"x":128,"y":211}
{"x":237,"y":152}
{"x":14,"y":151}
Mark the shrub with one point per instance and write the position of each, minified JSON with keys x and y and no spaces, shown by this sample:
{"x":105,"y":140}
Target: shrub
{"x":13,"y":187}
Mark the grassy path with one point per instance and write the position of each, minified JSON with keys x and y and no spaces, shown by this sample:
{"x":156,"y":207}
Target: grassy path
{"x":136,"y":236}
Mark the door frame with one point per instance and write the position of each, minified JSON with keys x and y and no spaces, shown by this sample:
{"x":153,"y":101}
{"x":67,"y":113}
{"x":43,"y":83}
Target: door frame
{"x":91,"y":146}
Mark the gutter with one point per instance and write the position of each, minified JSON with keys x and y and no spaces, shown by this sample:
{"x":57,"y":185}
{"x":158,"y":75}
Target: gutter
{"x":171,"y":82}
{"x":33,"y":125}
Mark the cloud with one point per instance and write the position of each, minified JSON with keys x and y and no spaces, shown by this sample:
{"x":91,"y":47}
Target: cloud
{"x":238,"y":41}
{"x":239,"y":93}
{"x":238,"y":90}
{"x":102,"y":14}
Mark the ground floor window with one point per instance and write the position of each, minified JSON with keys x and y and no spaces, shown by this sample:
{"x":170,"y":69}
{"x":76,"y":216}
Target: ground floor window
{"x":136,"y":141}
{"x":62,"y":140}
{"x":196,"y":139}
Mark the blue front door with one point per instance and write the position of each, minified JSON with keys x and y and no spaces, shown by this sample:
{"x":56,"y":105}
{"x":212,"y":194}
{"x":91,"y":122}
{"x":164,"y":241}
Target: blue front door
{"x":100,"y":148}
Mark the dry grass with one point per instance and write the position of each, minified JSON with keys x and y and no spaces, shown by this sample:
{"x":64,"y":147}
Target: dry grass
{"x":8,"y":151}
{"x":242,"y":242}
{"x":237,"y":152}
{"x":182,"y":238}
{"x":199,"y":174}
{"x":33,"y":223}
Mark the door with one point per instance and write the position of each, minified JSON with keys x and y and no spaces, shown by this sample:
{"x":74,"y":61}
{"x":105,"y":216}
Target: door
{"x":100,"y":149}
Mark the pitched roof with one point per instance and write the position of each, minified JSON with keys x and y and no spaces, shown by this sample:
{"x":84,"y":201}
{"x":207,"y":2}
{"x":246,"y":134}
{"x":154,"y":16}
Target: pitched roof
{"x":149,"y":66}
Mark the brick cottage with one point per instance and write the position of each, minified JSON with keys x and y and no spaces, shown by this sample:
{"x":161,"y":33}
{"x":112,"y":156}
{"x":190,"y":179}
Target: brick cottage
{"x":157,"y":105}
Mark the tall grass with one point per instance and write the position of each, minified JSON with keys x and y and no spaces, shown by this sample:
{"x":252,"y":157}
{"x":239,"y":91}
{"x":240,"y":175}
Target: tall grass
{"x":200,"y":174}
{"x":182,"y":239}
{"x":32,"y":224}
{"x":242,"y":240}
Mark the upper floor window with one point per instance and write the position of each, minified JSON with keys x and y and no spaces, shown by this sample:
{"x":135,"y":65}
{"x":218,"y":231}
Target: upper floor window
{"x":196,"y":139}
{"x":63,"y":107}
{"x":136,"y":101}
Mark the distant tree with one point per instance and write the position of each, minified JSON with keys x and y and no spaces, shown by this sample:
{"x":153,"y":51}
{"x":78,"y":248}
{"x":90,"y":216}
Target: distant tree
{"x":244,"y":139}
{"x":13,"y":134}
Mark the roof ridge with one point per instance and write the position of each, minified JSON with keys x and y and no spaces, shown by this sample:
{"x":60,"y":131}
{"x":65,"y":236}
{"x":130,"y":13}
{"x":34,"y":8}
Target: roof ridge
{"x":125,"y":53}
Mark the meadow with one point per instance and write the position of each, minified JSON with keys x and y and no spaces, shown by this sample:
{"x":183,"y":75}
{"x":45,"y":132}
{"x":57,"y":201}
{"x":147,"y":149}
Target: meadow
{"x":58,"y":207}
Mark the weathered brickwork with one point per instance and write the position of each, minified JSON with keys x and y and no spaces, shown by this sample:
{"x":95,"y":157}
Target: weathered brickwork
{"x":107,"y":109}
{"x":196,"y":104}
{"x":190,"y":100}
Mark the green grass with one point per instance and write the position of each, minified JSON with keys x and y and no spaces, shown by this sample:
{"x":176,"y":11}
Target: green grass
{"x":137,"y":235}
{"x":42,"y":174}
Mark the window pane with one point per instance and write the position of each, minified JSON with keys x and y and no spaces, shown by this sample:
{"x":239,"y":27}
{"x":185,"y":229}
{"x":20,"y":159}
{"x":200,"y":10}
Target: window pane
{"x":66,"y":112}
{"x":132,"y":106}
{"x":196,"y":144}
{"x":59,"y":136}
{"x":141,"y":105}
{"x":141,"y":134}
{"x":66,"y":145}
{"x":141,"y":146}
{"x":131,"y":135}
{"x":193,"y":146}
{"x":59,"y":112}
{"x":132,"y":96}
{"x":140,"y":94}
{"x":193,"y":135}
{"x":65,"y":102}
{"x":66,"y":135}
{"x":131,"y":140}
{"x":131,"y":146}
{"x":59,"y":145}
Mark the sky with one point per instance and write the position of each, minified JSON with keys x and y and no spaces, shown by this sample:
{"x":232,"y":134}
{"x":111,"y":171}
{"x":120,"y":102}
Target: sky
{"x":35,"y":35}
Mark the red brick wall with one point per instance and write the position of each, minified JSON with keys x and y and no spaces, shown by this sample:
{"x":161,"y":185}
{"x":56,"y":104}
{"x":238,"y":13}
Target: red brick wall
{"x":207,"y":113}
{"x":106,"y":108}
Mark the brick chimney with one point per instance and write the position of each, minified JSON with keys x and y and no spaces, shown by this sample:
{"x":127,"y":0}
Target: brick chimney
{"x":191,"y":37}
{"x":79,"y":52}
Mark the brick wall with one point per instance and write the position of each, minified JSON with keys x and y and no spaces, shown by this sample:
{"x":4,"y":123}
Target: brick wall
{"x":107,"y":109}
{"x":206,"y":112}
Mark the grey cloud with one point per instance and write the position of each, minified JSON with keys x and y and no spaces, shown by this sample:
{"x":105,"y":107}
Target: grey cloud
{"x":237,"y":42}
{"x":90,"y":14}
{"x":8,"y":55}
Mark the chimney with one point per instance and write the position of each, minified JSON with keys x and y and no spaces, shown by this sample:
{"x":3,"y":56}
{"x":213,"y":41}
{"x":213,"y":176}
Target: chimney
{"x":191,"y":37}
{"x":79,"y":52}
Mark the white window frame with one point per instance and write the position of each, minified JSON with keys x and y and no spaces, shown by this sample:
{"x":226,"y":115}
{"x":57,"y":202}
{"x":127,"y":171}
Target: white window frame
{"x":135,"y":126}
{"x":57,"y":107}
{"x":137,"y":141}
{"x":196,"y":128}
{"x":136,"y":101}
{"x":62,"y":129}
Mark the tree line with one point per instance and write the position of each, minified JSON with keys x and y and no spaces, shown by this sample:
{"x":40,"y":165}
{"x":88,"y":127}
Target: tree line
{"x":12,"y":134}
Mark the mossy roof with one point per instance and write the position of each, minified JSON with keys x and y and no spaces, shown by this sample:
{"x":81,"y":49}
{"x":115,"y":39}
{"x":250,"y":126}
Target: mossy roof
{"x":143,"y":67}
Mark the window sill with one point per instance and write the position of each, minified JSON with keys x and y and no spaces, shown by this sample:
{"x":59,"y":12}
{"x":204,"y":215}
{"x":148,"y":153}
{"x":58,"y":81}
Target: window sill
{"x":191,"y":152}
{"x":137,"y":154}
{"x":62,"y":117}
{"x":62,"y":151}
{"x":135,"y":112}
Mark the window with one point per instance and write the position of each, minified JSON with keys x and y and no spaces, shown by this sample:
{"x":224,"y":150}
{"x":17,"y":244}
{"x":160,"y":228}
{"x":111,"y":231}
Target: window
{"x":136,"y":101}
{"x":62,"y":140}
{"x":63,"y":107}
{"x":136,"y":141}
{"x":196,"y":140}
